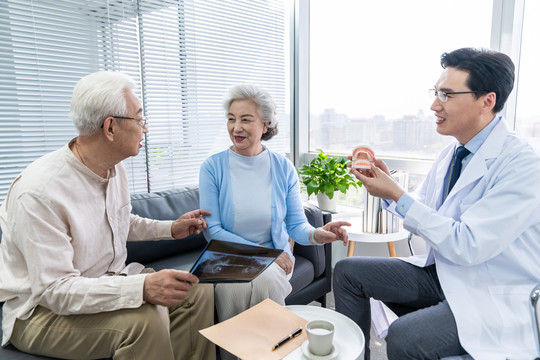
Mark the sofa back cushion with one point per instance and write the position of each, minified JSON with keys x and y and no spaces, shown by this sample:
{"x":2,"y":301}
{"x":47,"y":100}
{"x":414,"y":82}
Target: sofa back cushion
{"x":164,"y":205}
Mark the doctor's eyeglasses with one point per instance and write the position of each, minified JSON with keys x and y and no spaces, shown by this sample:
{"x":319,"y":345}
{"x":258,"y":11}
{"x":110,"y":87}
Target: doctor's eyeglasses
{"x":443,"y":95}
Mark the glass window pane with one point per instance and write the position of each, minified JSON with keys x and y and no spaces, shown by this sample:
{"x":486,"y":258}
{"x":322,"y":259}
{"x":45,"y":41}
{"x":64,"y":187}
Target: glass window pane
{"x":527,"y":110}
{"x":372,"y":63}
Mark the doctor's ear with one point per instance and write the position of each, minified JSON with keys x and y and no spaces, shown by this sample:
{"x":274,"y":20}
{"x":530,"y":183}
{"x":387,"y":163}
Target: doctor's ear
{"x":489,"y":101}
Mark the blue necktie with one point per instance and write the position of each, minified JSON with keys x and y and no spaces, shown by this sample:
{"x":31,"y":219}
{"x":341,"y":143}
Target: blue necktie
{"x":455,"y":171}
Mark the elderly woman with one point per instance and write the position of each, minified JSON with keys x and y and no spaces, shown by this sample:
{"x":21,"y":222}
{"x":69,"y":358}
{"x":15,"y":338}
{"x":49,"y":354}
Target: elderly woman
{"x":254,"y":198}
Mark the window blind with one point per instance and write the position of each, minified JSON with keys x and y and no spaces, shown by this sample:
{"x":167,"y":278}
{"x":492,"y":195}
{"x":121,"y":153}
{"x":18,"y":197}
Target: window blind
{"x":184,"y":55}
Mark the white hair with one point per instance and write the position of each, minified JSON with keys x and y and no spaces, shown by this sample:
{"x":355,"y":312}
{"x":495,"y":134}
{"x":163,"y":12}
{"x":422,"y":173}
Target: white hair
{"x":261,"y":98}
{"x":97,"y":96}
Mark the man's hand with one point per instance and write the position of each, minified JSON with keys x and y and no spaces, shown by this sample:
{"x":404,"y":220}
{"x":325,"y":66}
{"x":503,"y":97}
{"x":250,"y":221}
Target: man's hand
{"x":378,"y":181}
{"x":167,"y":287}
{"x":369,"y":172}
{"x":333,"y":231}
{"x":285,"y":262}
{"x":190,"y":223}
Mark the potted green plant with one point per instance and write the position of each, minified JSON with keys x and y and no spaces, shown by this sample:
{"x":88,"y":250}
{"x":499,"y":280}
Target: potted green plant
{"x":325,"y":175}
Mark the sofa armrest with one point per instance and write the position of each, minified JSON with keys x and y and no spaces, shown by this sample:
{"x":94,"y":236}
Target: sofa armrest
{"x":315,"y":254}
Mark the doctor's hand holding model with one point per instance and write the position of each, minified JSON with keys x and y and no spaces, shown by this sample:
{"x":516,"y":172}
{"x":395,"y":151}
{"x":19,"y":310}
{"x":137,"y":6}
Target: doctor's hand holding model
{"x":479,"y":214}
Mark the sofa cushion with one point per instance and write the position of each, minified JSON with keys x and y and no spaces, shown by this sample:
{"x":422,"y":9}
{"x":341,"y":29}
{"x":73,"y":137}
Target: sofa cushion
{"x":182,"y":261}
{"x":303,"y":274}
{"x":164,"y":205}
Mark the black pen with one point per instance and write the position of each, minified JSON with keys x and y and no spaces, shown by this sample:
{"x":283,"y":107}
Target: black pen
{"x":294,"y":334}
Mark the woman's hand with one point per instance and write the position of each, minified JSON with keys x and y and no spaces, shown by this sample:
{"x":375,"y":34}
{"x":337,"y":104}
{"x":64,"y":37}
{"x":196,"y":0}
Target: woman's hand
{"x":285,"y":262}
{"x":333,"y":231}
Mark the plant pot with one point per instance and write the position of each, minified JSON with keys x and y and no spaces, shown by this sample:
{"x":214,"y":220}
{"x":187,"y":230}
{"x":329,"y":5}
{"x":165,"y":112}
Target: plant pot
{"x":326,"y":203}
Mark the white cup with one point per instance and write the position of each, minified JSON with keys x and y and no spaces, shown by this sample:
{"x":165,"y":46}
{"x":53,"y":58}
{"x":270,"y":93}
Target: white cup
{"x":320,"y":336}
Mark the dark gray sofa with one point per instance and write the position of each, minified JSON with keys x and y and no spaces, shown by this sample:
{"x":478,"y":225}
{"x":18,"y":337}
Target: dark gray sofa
{"x":311,"y":279}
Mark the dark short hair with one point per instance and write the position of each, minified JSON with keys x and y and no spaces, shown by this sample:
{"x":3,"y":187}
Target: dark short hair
{"x":489,"y":71}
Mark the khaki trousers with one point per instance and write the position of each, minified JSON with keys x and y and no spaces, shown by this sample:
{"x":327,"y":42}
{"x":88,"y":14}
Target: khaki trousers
{"x":141,"y":333}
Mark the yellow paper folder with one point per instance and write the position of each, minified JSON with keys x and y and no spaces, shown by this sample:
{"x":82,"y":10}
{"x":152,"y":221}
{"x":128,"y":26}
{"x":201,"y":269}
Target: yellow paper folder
{"x":252,"y":334}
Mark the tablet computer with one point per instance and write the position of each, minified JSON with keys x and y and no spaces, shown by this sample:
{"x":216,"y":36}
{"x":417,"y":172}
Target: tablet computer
{"x":225,"y":261}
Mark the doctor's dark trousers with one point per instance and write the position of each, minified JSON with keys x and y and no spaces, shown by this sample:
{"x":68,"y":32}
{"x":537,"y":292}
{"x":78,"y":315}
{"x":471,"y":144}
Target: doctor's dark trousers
{"x":426,"y":328}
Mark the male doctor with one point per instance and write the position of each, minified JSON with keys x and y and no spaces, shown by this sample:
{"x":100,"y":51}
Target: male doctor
{"x":469,"y":293}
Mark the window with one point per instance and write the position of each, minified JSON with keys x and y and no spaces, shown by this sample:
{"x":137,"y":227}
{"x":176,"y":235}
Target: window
{"x":527,"y":111}
{"x":183,"y":54}
{"x":371,"y":65}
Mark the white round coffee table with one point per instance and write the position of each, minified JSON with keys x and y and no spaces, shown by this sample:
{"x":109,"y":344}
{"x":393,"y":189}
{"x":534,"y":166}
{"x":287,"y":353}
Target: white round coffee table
{"x":348,"y":337}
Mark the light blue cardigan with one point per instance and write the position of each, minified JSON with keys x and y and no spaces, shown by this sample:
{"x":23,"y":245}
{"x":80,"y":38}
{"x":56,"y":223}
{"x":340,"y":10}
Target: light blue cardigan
{"x":288,"y":218}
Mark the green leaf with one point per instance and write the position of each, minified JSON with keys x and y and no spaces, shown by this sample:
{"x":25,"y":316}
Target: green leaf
{"x":330,"y":194}
{"x":342,"y":187}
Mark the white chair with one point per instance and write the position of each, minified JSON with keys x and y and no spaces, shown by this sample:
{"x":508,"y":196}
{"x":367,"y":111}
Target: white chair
{"x":535,"y":294}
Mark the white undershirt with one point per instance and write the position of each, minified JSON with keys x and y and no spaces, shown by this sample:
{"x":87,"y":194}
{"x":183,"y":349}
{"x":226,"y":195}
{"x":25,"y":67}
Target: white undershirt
{"x":251,"y":184}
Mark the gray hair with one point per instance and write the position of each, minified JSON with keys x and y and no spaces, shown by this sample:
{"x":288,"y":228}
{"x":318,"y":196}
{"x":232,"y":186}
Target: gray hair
{"x":263,"y":100}
{"x":97,"y":96}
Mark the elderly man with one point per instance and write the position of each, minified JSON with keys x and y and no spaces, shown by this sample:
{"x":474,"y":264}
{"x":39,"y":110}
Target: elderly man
{"x":478,"y":211}
{"x":65,"y":221}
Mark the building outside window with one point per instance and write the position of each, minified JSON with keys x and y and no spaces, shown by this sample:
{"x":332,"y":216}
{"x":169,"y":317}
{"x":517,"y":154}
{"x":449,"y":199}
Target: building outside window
{"x":371,"y":65}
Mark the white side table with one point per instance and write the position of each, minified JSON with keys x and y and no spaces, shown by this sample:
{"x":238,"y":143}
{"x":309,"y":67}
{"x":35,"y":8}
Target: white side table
{"x":356,"y":234}
{"x":375,"y":238}
{"x":347,"y":337}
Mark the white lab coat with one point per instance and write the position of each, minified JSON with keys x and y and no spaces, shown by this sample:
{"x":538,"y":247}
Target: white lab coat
{"x":485,"y":241}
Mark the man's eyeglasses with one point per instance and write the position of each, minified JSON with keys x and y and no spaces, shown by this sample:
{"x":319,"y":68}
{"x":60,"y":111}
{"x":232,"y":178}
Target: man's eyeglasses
{"x":142,"y":121}
{"x":443,"y":95}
